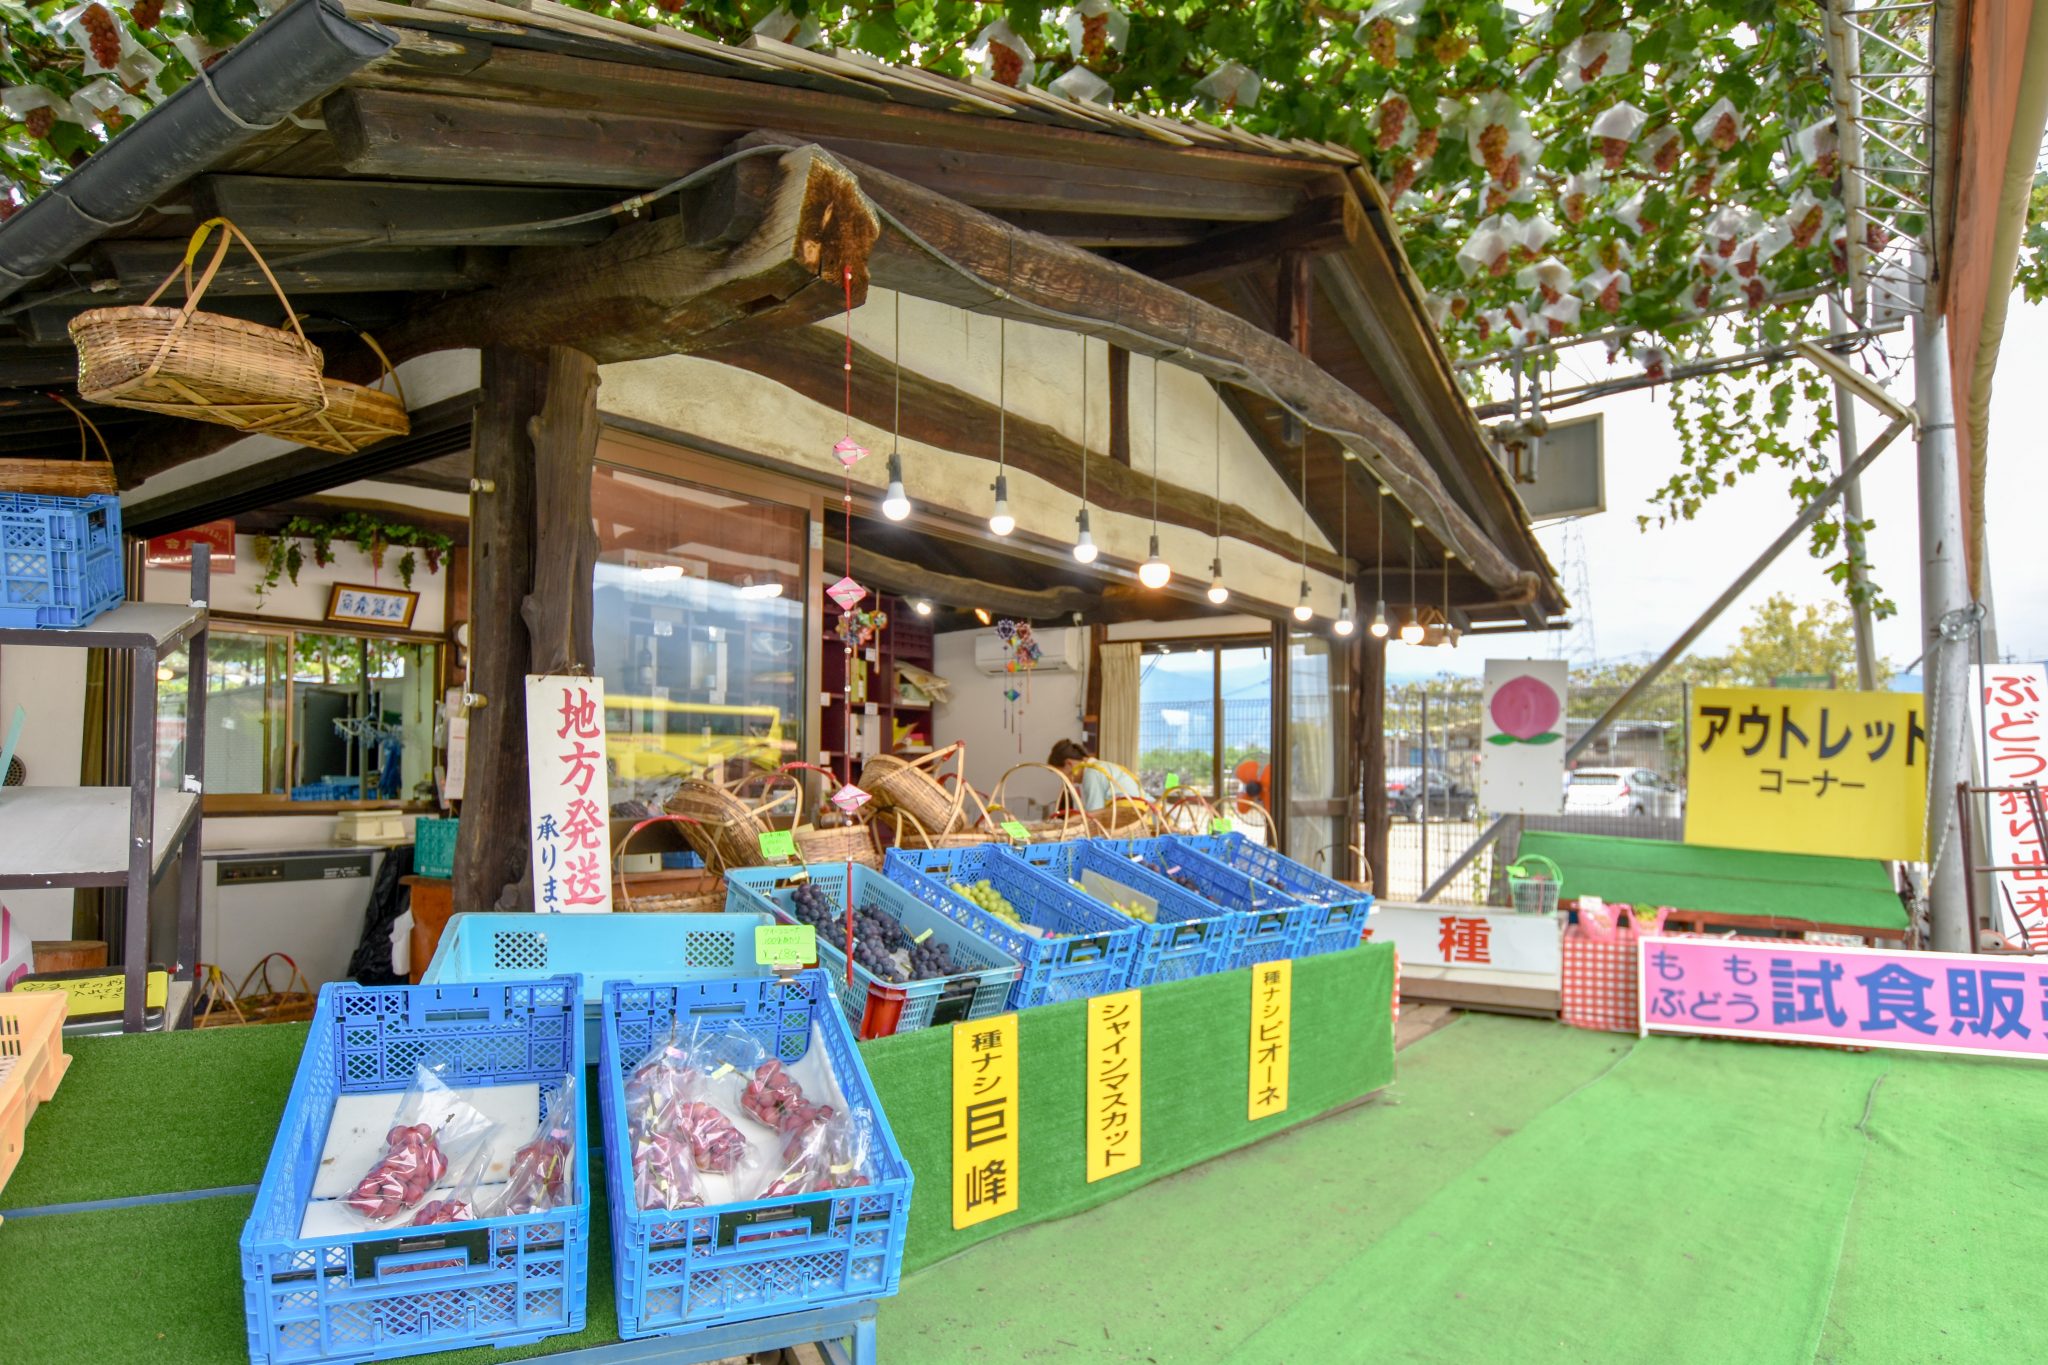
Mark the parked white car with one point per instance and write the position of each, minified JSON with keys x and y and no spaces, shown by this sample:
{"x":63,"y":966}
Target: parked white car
{"x":1622,"y":791}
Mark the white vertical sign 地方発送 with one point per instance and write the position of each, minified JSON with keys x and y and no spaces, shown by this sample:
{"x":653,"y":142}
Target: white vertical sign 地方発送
{"x":2008,"y":705}
{"x":1522,"y":736}
{"x":568,"y":794}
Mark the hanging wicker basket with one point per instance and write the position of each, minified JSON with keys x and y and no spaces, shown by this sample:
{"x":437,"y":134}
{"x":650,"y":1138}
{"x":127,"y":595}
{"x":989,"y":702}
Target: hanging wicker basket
{"x":356,"y":417}
{"x":1071,"y":823}
{"x":204,"y":366}
{"x":912,"y":785}
{"x":697,"y":891}
{"x":79,"y":478}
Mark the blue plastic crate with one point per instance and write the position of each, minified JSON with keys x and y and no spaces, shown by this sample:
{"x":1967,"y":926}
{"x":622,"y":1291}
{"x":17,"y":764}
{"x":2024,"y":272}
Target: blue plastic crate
{"x":60,"y":559}
{"x":1095,"y":950}
{"x":397,"y":1292}
{"x":1273,"y":923}
{"x":1190,"y":936}
{"x":1340,"y":911}
{"x":874,"y":1007}
{"x":433,"y":846}
{"x":679,"y":1270}
{"x":350,"y":789}
{"x":517,"y":945}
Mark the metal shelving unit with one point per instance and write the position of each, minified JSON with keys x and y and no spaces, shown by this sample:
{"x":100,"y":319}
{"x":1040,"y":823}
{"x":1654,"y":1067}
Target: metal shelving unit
{"x":74,"y":836}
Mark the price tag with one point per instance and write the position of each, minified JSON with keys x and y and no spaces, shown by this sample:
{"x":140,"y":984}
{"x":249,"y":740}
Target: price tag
{"x":922,"y":937}
{"x":778,"y":843}
{"x":1220,"y":825}
{"x":1015,"y":829}
{"x":780,"y":944}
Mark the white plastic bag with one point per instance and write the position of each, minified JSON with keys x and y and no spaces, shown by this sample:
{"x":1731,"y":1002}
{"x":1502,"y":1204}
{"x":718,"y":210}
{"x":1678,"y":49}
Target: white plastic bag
{"x":434,"y":1131}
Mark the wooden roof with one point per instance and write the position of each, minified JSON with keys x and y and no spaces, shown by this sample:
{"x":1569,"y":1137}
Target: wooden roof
{"x":485,"y":124}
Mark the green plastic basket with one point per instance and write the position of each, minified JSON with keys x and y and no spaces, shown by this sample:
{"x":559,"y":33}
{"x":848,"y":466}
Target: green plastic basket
{"x":433,"y":847}
{"x":1534,"y":893}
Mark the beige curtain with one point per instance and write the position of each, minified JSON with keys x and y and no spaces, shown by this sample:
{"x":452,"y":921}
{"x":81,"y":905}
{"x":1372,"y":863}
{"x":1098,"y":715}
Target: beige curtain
{"x":1120,"y":668}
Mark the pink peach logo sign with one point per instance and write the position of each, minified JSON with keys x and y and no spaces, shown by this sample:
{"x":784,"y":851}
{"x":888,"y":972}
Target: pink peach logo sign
{"x":1526,"y":712}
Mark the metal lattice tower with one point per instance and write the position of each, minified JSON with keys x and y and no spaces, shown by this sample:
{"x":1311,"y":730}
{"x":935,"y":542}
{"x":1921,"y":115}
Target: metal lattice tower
{"x":1882,"y":60}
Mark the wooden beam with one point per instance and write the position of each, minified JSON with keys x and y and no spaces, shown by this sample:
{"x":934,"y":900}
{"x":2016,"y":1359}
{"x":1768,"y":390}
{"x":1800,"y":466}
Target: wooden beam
{"x":916,"y":580}
{"x":775,"y":242}
{"x":1115,"y":232}
{"x":282,"y":211}
{"x":1329,"y":224}
{"x":557,"y":610}
{"x":138,"y":267}
{"x":491,"y":850}
{"x":1019,"y":275}
{"x":810,"y":360}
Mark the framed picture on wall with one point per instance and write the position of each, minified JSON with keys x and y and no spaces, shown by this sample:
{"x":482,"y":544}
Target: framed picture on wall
{"x":377,"y":606}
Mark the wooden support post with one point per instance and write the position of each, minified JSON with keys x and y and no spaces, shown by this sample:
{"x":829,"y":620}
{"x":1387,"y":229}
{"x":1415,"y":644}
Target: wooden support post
{"x":1369,"y":743}
{"x":557,"y":611}
{"x":491,"y":851}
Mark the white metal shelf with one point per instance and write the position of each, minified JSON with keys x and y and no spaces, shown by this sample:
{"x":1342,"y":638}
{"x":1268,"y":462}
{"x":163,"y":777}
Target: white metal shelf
{"x":79,"y":836}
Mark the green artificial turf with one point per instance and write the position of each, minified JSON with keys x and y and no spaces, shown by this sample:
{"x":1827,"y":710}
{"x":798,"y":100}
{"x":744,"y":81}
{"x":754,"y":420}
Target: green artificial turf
{"x":1529,"y":1193}
{"x":1196,"y":1060}
{"x":1855,"y":892}
{"x":158,"y":1113}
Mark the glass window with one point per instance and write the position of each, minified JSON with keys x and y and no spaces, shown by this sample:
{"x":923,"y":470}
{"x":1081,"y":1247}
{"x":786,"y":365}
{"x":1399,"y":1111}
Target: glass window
{"x":1317,"y":710}
{"x":699,"y":626}
{"x":319,"y":715}
{"x":1177,"y":718}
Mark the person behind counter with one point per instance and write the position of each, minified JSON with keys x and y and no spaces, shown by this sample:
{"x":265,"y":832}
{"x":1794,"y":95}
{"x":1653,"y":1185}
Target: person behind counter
{"x":1098,"y":781}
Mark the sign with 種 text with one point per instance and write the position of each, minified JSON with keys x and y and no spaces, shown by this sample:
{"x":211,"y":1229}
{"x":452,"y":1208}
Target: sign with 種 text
{"x":1788,"y":991}
{"x":568,"y":794}
{"x":2006,"y":712}
{"x":1498,"y":940}
{"x":1843,"y":774}
{"x":1115,"y":1083}
{"x":1272,"y":1041}
{"x":985,"y":1101}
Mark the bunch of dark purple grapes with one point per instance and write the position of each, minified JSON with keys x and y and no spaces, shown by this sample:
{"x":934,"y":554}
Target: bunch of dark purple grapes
{"x":879,"y":942}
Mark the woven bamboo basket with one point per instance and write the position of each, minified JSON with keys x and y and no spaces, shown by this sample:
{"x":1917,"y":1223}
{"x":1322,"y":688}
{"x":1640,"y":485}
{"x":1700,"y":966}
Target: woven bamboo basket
{"x":79,"y":478}
{"x":721,"y":826}
{"x":851,"y":842}
{"x":1126,"y":816}
{"x":1184,"y":810}
{"x":356,"y":417}
{"x":1072,"y":823}
{"x":700,"y":892}
{"x":293,"y":1004}
{"x":913,"y":785}
{"x":203,"y":366}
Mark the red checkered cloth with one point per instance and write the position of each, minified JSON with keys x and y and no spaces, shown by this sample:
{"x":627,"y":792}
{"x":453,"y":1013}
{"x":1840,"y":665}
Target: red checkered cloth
{"x":1598,"y":982}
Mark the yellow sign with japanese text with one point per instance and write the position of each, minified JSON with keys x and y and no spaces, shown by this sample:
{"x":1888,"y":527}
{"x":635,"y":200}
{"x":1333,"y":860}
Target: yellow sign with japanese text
{"x":985,"y":1097}
{"x":1115,"y":1083}
{"x":89,"y":993}
{"x":1791,"y":770}
{"x":1272,"y":1045}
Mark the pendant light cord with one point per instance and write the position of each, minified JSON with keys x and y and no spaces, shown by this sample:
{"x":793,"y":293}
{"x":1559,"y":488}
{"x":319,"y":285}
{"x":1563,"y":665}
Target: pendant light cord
{"x":1155,"y":447}
{"x":1084,"y":421}
{"x":899,"y":371}
{"x":1002,"y":390}
{"x":1219,"y":474}
{"x":1379,"y":549}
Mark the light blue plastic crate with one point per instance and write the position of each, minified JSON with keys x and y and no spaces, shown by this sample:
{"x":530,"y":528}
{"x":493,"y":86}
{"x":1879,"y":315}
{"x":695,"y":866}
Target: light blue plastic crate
{"x":1273,"y":924}
{"x":347,"y":789}
{"x":1340,"y":911}
{"x":515,"y":946}
{"x":433,"y":846}
{"x":1191,"y":936}
{"x":874,"y":1007}
{"x":1094,"y":948}
{"x":398,"y":1292}
{"x":675,"y":1271}
{"x":60,"y":559}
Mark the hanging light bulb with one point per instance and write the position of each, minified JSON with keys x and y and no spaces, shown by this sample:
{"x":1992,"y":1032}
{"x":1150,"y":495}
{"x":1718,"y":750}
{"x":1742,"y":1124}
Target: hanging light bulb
{"x":1218,"y":592}
{"x":981,"y":615}
{"x":1000,"y":521}
{"x":921,"y":607}
{"x":1379,"y":620}
{"x":1084,"y":541}
{"x":1155,"y":572}
{"x":1302,"y":610}
{"x":1344,"y":625}
{"x":895,"y":503}
{"x":1411,"y":629}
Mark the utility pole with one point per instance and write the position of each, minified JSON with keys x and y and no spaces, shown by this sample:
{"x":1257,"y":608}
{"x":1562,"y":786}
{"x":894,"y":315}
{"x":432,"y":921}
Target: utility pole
{"x":1852,"y":518}
{"x":1948,"y":627}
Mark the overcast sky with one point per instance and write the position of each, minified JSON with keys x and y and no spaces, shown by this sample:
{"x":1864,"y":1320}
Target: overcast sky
{"x":1645,"y":586}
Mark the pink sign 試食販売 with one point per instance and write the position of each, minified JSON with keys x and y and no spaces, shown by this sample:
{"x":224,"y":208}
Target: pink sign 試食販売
{"x":568,"y":794}
{"x":1787,"y":991}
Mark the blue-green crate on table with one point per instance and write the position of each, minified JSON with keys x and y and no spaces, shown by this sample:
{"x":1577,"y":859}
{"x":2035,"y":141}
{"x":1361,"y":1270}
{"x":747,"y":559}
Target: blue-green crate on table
{"x":676,"y":1270}
{"x":1273,"y":923}
{"x":433,"y":847}
{"x":495,"y":945}
{"x":1087,"y":948}
{"x":376,"y":1295}
{"x":1187,"y":937}
{"x":874,"y":1007}
{"x":1340,"y":911}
